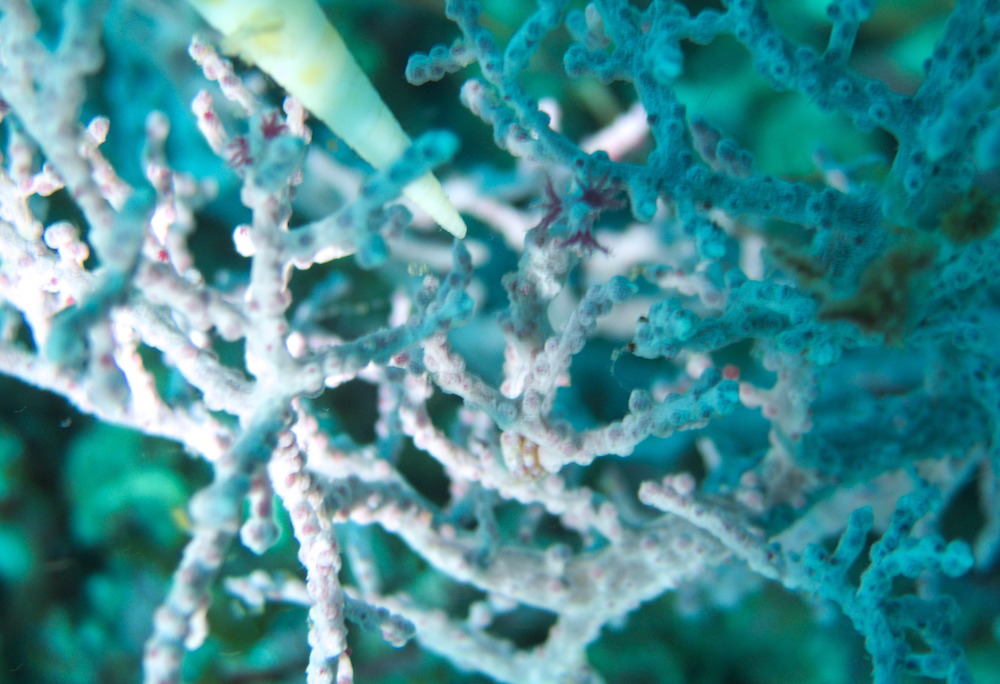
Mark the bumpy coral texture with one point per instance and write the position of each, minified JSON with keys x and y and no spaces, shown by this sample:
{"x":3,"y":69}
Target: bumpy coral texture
{"x":707,"y":393}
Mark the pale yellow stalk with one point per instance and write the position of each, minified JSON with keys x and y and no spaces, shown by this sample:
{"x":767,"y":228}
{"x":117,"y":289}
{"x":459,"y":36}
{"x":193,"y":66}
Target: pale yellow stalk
{"x":293,"y":42}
